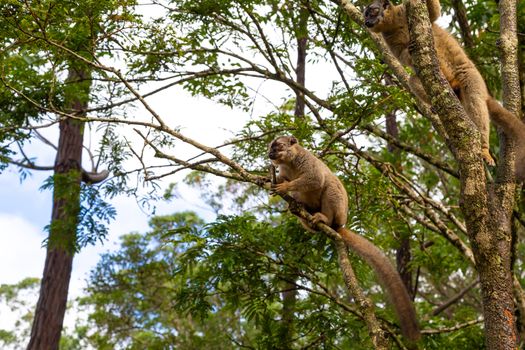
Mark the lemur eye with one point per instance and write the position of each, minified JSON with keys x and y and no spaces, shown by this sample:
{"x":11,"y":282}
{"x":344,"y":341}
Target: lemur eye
{"x":374,"y":11}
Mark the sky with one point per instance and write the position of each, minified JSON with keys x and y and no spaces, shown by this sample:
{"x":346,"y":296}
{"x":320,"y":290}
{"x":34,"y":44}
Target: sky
{"x":25,"y":209}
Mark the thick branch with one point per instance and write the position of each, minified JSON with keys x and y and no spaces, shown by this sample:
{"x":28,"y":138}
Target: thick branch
{"x":464,"y":137}
{"x":90,"y":177}
{"x":509,"y":56}
{"x":512,"y":100}
{"x":489,"y":237}
{"x":377,"y":335}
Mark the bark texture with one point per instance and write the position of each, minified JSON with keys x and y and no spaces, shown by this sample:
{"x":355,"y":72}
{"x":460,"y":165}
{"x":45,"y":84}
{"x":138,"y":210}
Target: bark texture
{"x":460,"y":14}
{"x":51,"y":306}
{"x":300,"y":69}
{"x":512,"y":100}
{"x":289,"y":294}
{"x":486,"y":209}
{"x":377,"y":335}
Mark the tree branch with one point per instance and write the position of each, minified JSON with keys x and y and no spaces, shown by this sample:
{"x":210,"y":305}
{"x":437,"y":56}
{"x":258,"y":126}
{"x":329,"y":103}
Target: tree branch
{"x":411,"y":149}
{"x":454,"y":299}
{"x":452,"y":329}
{"x":366,"y":307}
{"x":464,"y":27}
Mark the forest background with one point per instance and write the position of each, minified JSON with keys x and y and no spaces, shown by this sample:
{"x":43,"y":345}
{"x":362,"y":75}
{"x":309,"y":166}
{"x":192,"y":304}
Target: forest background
{"x":144,"y":87}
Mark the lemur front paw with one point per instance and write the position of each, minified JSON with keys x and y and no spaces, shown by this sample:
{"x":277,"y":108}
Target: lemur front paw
{"x":263,"y":181}
{"x":317,"y":218}
{"x":282,"y":187}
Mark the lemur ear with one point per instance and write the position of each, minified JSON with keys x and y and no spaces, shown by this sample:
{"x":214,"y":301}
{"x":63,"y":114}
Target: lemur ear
{"x":293,"y":140}
{"x":386,"y":3}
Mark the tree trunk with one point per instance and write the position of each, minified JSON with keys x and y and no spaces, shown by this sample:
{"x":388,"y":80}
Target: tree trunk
{"x":300,"y":69}
{"x":62,"y":241}
{"x":403,"y":258}
{"x":392,"y":130}
{"x":403,"y":254}
{"x":289,"y":295}
{"x":487,"y":210}
{"x":512,"y":97}
{"x":289,"y":298}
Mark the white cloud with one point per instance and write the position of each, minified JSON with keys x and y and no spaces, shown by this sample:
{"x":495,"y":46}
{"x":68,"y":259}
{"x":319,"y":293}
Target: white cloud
{"x":22,"y":254}
{"x":24,"y":210}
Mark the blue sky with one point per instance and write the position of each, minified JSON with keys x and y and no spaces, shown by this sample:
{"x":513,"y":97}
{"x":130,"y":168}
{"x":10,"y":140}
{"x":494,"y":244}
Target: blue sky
{"x":25,"y":209}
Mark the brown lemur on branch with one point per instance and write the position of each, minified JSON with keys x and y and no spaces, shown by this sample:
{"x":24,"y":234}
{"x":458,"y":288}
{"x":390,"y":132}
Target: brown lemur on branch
{"x":391,"y":21}
{"x":311,"y":183}
{"x":463,"y":76}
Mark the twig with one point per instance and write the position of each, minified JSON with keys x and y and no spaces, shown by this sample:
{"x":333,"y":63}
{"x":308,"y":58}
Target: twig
{"x":454,"y":299}
{"x":452,"y":329}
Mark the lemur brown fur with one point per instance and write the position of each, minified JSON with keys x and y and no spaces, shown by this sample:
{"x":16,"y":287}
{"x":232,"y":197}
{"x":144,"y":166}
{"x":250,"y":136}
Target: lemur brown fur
{"x":391,"y":21}
{"x":310,"y":182}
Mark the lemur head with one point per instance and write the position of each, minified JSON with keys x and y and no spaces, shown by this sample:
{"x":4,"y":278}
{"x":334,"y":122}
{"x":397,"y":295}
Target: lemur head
{"x":281,"y":149}
{"x":376,"y":14}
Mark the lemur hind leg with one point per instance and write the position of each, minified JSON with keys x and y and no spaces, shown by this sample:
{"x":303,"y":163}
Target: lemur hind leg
{"x":475,"y":105}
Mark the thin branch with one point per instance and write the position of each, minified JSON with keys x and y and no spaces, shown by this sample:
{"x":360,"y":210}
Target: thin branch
{"x":87,"y":176}
{"x":411,"y":149}
{"x":31,"y":165}
{"x":198,"y":166}
{"x":464,"y":26}
{"x":328,"y":46}
{"x":454,"y":299}
{"x":452,"y":329}
{"x":426,"y":203}
{"x":44,"y":140}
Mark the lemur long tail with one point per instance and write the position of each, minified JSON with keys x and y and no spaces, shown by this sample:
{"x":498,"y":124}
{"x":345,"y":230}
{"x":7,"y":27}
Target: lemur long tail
{"x":389,"y":279}
{"x":510,"y":124}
